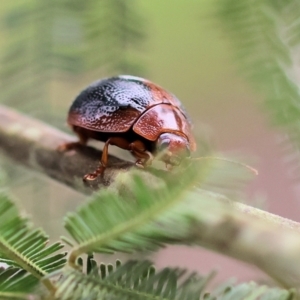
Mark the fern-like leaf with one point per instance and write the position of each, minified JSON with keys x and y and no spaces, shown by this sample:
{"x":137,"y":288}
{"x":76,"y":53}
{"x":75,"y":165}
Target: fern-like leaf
{"x":16,"y":283}
{"x":266,"y":37}
{"x":45,"y":41}
{"x":139,"y":280}
{"x":24,"y":247}
{"x":153,"y":217}
{"x":113,"y":33}
{"x":133,"y":280}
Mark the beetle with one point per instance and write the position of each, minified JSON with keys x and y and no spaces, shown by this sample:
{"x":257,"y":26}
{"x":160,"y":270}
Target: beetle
{"x":134,"y":114}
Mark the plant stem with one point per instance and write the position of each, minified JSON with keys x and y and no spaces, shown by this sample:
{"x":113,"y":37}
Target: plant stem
{"x":270,"y":242}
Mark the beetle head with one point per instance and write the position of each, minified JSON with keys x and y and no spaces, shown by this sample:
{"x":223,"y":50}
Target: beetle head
{"x":172,"y":148}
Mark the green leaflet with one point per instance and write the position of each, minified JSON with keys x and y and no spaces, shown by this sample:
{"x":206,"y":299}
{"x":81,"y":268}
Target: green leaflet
{"x":139,"y":280}
{"x":15,"y":282}
{"x":143,"y":220}
{"x":25,"y":248}
{"x":133,"y":280}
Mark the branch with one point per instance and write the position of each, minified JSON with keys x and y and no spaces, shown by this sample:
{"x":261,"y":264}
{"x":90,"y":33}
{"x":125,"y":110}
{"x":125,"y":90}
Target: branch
{"x":270,"y":242}
{"x":34,"y":144}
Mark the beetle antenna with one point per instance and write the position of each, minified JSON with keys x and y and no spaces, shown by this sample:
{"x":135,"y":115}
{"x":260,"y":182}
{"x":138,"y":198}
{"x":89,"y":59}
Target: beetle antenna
{"x":251,"y":169}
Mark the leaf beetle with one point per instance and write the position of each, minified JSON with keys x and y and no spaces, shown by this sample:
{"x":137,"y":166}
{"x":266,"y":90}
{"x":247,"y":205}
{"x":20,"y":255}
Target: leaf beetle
{"x":134,"y":114}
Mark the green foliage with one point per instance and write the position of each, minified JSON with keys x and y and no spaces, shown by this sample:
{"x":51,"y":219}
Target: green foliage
{"x":133,"y":280}
{"x":26,"y":60}
{"x":133,"y":221}
{"x":47,"y":40}
{"x":108,"y":215}
{"x":24,"y":248}
{"x":115,"y":33}
{"x":81,"y":36}
{"x":265,"y":36}
{"x":97,"y":34}
{"x":16,"y":283}
{"x":139,"y":280}
{"x":142,"y":219}
{"x":109,"y":222}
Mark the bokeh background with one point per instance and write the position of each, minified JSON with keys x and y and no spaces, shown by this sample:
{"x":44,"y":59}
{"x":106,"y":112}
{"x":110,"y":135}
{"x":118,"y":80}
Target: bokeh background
{"x":50,"y":50}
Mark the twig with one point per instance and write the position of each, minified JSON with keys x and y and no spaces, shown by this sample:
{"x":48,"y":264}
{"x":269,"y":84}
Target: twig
{"x":34,"y":144}
{"x":270,"y":242}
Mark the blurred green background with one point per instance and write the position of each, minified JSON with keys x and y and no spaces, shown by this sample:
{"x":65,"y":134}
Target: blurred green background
{"x":51,"y":50}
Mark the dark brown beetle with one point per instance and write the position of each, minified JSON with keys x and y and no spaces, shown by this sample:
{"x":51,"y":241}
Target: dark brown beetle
{"x":133,"y":114}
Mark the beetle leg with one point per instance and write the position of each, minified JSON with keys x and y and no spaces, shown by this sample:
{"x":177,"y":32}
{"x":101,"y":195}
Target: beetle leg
{"x":117,"y":141}
{"x":83,"y":138}
{"x":143,"y":158}
{"x":142,"y":163}
{"x":139,"y":151}
{"x":137,"y":148}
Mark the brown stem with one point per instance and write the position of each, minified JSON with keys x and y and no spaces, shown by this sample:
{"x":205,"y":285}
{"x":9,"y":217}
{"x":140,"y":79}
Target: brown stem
{"x":270,"y":242}
{"x":34,"y":144}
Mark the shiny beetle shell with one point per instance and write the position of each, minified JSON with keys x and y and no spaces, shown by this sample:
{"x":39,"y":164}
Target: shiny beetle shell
{"x":133,"y":114}
{"x":116,"y":104}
